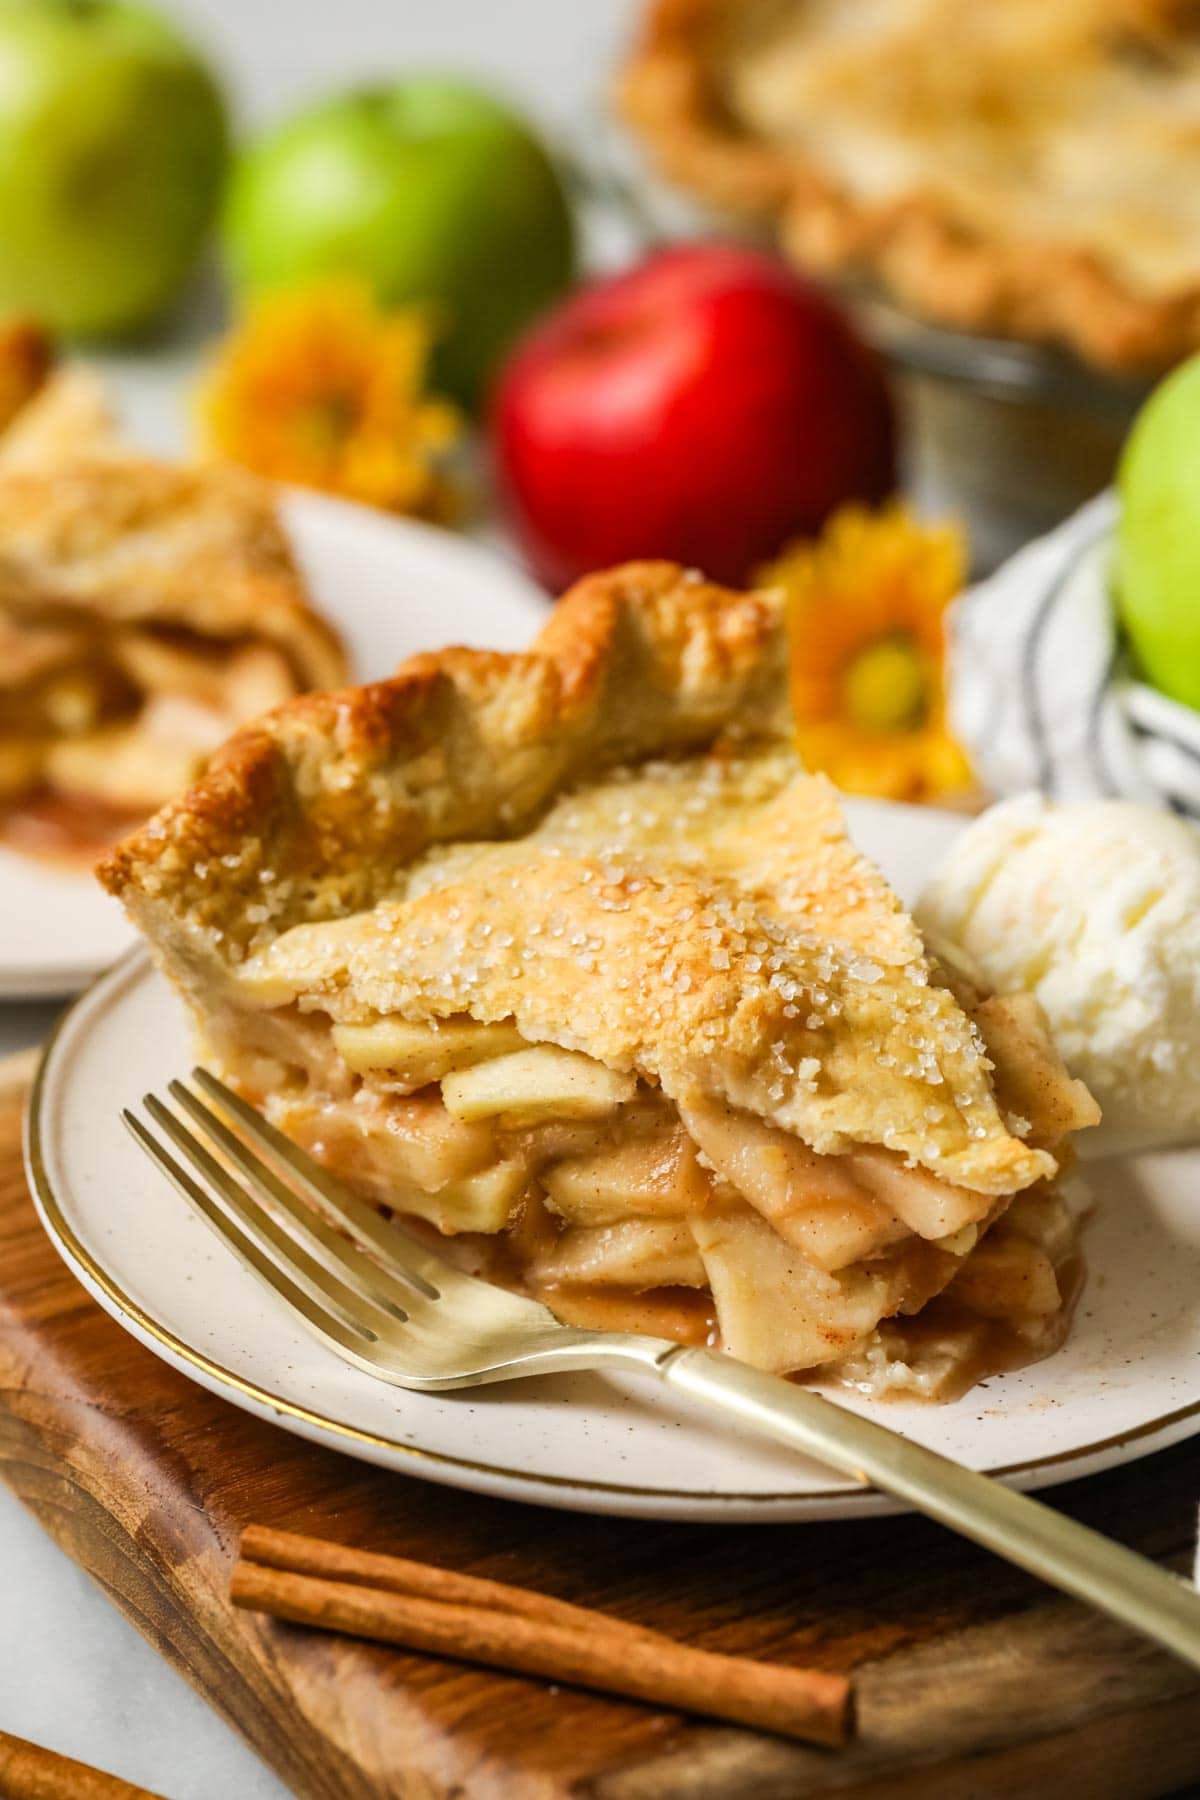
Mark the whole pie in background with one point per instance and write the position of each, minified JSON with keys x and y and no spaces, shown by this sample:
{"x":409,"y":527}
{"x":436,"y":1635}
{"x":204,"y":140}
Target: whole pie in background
{"x":1027,"y":168}
{"x":564,"y":957}
{"x":147,"y":609}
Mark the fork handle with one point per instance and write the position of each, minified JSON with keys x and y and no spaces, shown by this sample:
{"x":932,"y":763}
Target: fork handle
{"x":1068,"y":1555}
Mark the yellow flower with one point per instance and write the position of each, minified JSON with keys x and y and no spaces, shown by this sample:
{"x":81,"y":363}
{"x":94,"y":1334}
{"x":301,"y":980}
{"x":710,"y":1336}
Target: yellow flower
{"x":867,"y":606}
{"x":318,"y":386}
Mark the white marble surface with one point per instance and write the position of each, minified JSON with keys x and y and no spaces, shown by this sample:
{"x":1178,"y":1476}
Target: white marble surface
{"x":73,"y":1674}
{"x":76,"y":1677}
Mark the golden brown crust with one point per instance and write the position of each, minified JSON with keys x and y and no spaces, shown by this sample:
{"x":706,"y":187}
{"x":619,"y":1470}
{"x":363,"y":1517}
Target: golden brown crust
{"x":669,"y":91}
{"x":311,"y":812}
{"x":690,"y":981}
{"x":1039,"y":293}
{"x":672,"y":91}
{"x":118,"y":539}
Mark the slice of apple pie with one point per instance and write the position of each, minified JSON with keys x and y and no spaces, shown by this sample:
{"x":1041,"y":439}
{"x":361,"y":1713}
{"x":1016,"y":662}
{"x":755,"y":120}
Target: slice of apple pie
{"x":146,"y":611}
{"x":562,"y":955}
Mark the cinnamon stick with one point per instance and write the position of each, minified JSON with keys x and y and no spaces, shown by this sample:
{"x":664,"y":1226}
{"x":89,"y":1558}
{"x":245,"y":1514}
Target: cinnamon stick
{"x":608,"y":1656}
{"x":28,"y":1772}
{"x":400,"y":1575}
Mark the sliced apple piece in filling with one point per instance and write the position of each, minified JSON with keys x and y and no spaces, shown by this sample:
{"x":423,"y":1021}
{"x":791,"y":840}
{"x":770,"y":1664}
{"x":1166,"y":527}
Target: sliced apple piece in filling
{"x":1007,"y":1277}
{"x":813,"y":1202}
{"x":482,"y":1202}
{"x":777,"y":1310}
{"x":1046,"y":1218}
{"x":435,"y":1147}
{"x":657,"y":1174}
{"x":122,"y":766}
{"x":387,"y":1141}
{"x":541,"y":1082}
{"x":931,"y":1207}
{"x":637,"y":1253}
{"x":1031,"y":1079}
{"x":416,"y":1052}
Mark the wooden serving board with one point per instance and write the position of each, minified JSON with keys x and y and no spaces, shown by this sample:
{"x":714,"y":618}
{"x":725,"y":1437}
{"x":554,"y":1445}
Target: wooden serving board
{"x":972,"y":1680}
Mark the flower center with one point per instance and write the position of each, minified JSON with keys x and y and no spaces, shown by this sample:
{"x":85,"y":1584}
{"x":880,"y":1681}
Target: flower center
{"x":885,"y":688}
{"x":326,"y":420}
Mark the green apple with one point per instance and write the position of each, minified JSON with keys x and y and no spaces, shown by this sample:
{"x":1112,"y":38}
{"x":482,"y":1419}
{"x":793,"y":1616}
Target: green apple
{"x":428,"y":190}
{"x":1158,"y":538}
{"x":113,"y":147}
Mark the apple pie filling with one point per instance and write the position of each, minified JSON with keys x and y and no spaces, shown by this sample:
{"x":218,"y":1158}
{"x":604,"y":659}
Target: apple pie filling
{"x":98,"y":727}
{"x":147,"y":611}
{"x":588,"y":1187}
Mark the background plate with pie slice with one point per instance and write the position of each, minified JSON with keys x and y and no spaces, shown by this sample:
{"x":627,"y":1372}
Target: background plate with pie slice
{"x":1126,"y":1382}
{"x":391,"y":587}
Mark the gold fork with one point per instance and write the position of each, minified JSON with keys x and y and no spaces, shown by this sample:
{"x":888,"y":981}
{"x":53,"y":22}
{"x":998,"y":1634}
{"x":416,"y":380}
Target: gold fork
{"x":388,"y":1303}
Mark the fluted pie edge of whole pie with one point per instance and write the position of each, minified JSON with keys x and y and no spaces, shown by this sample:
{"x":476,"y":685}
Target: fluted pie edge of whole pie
{"x":562,"y":954}
{"x":1021,"y":169}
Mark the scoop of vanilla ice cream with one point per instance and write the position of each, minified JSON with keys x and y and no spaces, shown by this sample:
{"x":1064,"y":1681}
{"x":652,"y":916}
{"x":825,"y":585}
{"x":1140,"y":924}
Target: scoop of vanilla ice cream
{"x":1094,"y":908}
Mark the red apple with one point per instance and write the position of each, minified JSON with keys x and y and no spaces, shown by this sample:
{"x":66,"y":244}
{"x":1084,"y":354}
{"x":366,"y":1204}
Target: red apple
{"x":705,"y":406}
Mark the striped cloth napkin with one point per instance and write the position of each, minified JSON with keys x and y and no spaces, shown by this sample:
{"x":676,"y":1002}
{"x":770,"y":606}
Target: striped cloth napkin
{"x":1041,"y":691}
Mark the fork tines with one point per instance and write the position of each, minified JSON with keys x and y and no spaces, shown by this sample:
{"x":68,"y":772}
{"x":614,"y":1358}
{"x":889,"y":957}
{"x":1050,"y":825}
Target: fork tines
{"x":276,"y":1208}
{"x":373,"y":1291}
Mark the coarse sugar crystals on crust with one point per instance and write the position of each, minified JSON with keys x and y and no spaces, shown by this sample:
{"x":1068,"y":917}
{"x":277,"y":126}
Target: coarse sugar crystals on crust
{"x":319,"y":809}
{"x":684,"y":981}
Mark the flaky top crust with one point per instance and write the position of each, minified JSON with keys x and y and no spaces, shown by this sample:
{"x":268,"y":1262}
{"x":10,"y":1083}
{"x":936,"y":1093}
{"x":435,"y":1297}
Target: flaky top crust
{"x":607,"y":839}
{"x":108,"y":538}
{"x":672,"y":91}
{"x":680,"y":968}
{"x":313,"y":811}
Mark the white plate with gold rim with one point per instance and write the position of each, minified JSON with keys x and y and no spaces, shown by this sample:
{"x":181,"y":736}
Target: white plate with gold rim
{"x":392,"y":587}
{"x":1127,"y":1382}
